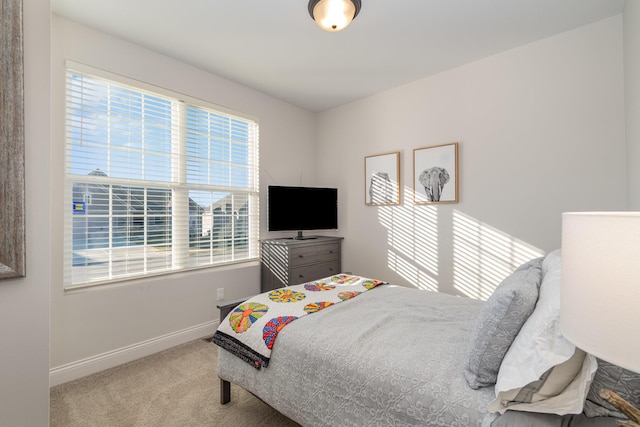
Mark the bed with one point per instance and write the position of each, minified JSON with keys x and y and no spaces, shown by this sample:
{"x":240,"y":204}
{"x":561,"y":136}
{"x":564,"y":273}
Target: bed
{"x":404,"y":357}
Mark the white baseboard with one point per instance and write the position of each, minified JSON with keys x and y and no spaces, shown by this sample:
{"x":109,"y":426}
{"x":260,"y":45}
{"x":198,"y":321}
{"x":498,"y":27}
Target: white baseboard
{"x":91,"y":365}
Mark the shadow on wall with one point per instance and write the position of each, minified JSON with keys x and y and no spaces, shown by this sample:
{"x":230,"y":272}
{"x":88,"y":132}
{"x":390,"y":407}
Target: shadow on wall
{"x":482,"y":256}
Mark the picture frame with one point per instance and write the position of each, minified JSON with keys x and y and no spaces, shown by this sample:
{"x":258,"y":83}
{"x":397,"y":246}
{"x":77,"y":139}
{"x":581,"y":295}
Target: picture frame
{"x":382,"y":179}
{"x":435,"y":174}
{"x":12,"y":152}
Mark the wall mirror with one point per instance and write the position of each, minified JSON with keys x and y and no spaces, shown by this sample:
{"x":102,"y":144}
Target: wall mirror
{"x":12,"y":228}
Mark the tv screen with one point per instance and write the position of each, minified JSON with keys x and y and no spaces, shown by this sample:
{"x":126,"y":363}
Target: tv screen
{"x":302,"y":208}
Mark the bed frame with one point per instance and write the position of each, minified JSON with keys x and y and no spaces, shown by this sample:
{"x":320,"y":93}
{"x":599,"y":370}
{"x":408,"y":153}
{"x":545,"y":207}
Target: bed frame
{"x":225,"y":308}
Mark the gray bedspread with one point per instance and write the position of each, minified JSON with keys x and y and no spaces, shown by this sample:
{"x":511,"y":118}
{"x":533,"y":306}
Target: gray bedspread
{"x":392,"y":356}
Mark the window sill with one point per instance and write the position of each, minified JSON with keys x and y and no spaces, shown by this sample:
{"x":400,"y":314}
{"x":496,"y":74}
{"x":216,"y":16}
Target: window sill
{"x":155,"y":277}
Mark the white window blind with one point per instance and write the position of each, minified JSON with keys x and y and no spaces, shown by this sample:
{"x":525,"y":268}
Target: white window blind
{"x":154,"y":183}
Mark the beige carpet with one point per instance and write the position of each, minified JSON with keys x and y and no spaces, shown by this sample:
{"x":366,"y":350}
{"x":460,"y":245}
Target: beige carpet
{"x":177,"y":387}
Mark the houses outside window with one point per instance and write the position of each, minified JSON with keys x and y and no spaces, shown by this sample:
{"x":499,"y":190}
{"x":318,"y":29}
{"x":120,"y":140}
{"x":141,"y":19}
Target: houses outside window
{"x":155,"y":182}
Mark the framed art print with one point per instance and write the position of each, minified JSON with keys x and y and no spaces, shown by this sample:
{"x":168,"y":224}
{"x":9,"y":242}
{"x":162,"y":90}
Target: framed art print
{"x":435,"y":174}
{"x":382,"y":179}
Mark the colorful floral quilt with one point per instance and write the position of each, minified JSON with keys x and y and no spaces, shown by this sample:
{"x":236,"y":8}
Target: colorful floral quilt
{"x":250,"y":330}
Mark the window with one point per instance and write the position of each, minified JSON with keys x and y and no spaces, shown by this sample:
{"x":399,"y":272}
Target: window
{"x":154,"y":183}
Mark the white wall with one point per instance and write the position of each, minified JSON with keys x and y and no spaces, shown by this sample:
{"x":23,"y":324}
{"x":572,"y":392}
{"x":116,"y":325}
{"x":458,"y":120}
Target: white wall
{"x":541,"y":131}
{"x":24,"y":303}
{"x":632,"y":98}
{"x":97,"y":328}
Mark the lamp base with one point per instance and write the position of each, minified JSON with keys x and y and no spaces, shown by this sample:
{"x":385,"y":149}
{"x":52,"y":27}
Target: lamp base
{"x":623,"y":406}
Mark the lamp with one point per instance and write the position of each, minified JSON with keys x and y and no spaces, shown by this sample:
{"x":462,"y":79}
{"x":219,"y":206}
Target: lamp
{"x":334,"y":15}
{"x":600,"y":298}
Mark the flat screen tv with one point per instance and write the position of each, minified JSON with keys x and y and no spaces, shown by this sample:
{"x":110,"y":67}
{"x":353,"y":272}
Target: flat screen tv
{"x":302,"y":209}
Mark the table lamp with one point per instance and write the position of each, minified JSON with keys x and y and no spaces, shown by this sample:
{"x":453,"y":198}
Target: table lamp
{"x":600,"y":298}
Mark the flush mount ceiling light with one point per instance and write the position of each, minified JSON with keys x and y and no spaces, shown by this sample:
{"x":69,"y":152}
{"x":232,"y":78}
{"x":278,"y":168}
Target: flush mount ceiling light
{"x":333,"y":15}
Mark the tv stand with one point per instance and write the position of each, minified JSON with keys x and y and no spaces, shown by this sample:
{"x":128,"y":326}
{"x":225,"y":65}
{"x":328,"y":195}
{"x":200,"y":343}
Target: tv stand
{"x":286,"y":262}
{"x":301,"y":237}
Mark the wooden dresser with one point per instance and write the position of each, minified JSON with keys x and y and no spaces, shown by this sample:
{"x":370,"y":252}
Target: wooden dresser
{"x":286,"y":262}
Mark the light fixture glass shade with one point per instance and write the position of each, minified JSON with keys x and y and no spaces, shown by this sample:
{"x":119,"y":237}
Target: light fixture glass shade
{"x":334,"y":15}
{"x":600,"y":299}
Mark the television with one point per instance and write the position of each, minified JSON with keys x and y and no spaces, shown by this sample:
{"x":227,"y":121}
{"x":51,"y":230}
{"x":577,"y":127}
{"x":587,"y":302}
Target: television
{"x":302,"y":209}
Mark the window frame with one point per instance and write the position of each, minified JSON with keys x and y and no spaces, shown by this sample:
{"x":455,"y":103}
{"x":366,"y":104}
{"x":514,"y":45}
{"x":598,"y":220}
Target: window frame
{"x":179,"y":187}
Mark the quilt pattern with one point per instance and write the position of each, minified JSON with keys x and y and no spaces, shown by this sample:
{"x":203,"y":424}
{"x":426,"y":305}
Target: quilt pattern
{"x":251,"y":329}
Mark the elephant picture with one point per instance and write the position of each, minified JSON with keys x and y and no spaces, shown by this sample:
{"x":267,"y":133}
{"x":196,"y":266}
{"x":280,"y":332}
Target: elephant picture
{"x":382,"y":179}
{"x":433,"y":180}
{"x":435,"y":174}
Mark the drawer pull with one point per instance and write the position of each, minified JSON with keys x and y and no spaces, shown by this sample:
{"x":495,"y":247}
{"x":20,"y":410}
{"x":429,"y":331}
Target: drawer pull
{"x":301,"y":256}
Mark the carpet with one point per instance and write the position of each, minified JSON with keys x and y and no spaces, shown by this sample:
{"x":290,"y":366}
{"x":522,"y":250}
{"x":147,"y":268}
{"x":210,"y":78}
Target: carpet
{"x":176,"y":387}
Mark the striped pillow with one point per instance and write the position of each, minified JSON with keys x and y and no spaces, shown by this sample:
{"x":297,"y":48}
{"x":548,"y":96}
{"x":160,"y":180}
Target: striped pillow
{"x":551,"y":383}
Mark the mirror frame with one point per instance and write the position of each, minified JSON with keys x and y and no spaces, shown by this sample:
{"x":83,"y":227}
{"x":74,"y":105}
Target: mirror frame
{"x":12,"y":152}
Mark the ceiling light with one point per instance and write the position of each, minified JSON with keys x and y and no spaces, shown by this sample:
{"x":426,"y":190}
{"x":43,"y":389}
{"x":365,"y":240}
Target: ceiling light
{"x":333,"y":15}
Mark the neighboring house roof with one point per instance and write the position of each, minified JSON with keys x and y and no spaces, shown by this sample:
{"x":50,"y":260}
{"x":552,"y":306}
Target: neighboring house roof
{"x":228,"y":204}
{"x":158,"y":199}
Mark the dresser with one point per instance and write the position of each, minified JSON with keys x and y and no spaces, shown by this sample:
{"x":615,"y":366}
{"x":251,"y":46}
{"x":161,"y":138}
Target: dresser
{"x":286,"y":262}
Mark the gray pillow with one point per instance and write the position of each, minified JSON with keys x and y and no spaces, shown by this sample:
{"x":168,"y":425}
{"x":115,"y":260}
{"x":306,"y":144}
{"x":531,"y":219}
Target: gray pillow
{"x":621,"y":381}
{"x":499,"y":322}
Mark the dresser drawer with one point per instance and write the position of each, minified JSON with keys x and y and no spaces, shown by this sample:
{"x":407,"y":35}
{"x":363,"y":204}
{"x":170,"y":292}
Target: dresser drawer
{"x":286,"y":262}
{"x":314,"y":272}
{"x":312,"y":254}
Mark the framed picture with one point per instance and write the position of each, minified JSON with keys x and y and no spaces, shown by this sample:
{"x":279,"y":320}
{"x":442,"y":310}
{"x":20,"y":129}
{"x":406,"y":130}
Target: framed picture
{"x":435,"y":174}
{"x":382,"y":179}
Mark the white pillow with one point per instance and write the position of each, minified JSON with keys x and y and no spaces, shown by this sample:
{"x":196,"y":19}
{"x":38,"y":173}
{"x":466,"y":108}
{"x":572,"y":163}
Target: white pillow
{"x":542,"y":367}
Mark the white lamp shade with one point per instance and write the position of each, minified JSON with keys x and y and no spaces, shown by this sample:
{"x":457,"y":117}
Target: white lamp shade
{"x":334,"y":15}
{"x":600,"y":300}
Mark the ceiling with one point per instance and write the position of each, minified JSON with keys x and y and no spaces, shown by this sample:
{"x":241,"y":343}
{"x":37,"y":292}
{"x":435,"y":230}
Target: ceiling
{"x":274,"y":46}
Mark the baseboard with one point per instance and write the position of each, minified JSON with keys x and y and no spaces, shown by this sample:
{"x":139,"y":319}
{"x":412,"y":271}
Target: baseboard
{"x":91,"y":365}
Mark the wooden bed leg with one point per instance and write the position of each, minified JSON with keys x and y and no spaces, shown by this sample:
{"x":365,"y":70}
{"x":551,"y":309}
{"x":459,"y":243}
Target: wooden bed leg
{"x":225,"y":391}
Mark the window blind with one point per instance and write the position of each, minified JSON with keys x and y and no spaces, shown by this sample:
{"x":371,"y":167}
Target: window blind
{"x":154,"y":183}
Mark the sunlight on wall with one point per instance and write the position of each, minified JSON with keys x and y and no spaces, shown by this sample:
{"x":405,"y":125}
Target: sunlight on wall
{"x":483,"y":256}
{"x":419,"y":278}
{"x":416,"y":260}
